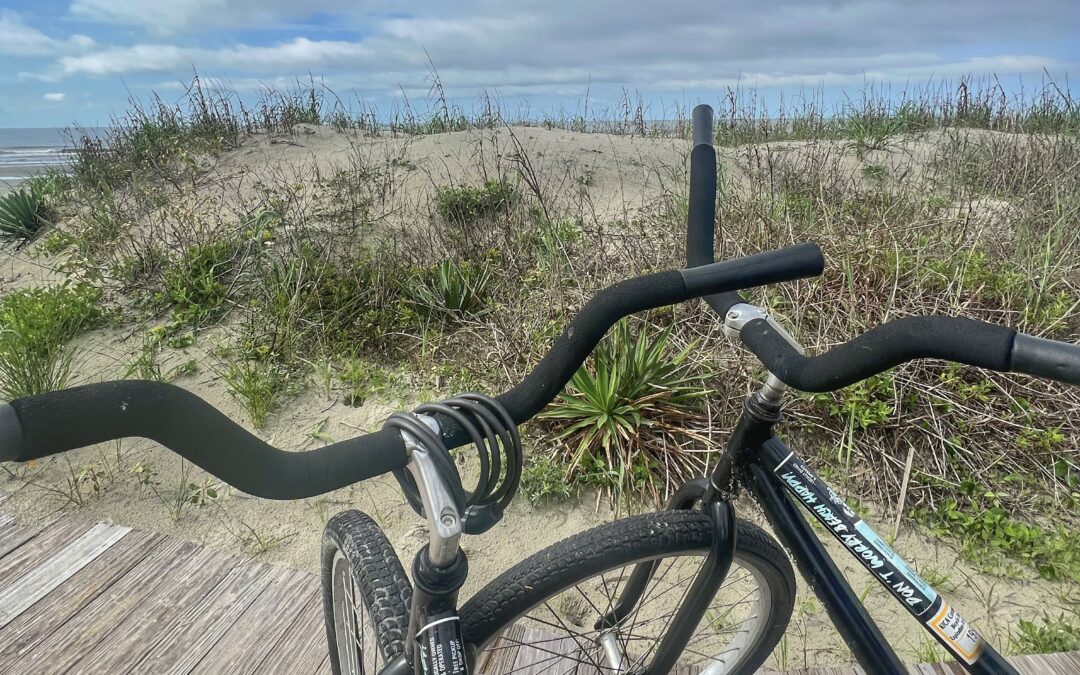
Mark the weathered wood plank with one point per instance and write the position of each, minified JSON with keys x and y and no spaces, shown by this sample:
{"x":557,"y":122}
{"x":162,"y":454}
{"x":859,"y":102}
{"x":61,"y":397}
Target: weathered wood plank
{"x":540,"y":653}
{"x":155,"y":618}
{"x":5,"y":519}
{"x":61,"y":566}
{"x":245,"y":645}
{"x":302,"y":649}
{"x":204,"y":623}
{"x":14,"y":535}
{"x":500,"y":656}
{"x":39,"y":548}
{"x":38,"y":622}
{"x":77,"y":637}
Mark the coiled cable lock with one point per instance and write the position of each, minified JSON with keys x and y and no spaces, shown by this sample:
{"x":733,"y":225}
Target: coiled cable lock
{"x":498,"y":446}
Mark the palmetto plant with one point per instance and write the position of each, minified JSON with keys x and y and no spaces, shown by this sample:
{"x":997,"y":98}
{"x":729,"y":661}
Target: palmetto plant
{"x":631,"y":410}
{"x":23,"y":215}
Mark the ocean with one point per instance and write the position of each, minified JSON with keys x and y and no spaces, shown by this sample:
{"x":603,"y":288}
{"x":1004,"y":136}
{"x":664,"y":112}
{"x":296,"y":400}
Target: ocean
{"x":24,"y":152}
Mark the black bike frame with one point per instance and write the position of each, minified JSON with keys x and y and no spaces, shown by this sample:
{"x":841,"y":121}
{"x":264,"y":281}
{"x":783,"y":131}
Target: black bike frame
{"x":778,"y":480}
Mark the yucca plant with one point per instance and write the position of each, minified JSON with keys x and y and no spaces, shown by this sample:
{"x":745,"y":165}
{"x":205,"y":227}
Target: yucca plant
{"x":628,"y":413}
{"x":452,"y":290}
{"x":23,"y":215}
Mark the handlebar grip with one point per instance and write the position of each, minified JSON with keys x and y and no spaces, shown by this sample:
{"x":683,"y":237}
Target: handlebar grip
{"x":702,"y":121}
{"x":10,"y":434}
{"x":47,"y":424}
{"x":701,"y":207}
{"x":974,"y":343}
{"x":1046,"y":358}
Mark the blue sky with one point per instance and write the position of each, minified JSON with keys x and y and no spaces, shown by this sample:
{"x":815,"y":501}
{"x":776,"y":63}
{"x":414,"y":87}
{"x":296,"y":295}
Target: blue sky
{"x":78,"y":61}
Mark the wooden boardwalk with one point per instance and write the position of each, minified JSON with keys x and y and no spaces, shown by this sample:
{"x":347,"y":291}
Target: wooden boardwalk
{"x":82,"y":597}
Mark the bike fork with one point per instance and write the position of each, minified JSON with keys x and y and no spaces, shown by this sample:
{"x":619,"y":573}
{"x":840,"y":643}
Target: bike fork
{"x":709,"y":578}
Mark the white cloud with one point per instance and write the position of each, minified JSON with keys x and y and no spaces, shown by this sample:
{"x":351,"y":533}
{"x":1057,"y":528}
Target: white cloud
{"x":563,"y":47}
{"x":19,"y":39}
{"x":55,"y":97}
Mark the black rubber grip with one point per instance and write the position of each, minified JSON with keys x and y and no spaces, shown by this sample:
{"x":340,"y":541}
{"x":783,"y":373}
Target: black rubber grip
{"x":966,"y":341}
{"x":701,"y":207}
{"x":183,"y":422}
{"x":1046,"y":358}
{"x":785,"y":264}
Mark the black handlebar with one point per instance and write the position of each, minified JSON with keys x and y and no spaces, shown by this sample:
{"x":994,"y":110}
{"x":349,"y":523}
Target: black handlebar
{"x":966,"y":341}
{"x":58,"y":421}
{"x":43,"y":425}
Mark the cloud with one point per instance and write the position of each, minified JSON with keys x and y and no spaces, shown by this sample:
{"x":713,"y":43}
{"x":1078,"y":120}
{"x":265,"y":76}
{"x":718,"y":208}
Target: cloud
{"x":564,"y":47}
{"x":178,"y":16}
{"x":21,"y":40}
{"x":55,"y":97}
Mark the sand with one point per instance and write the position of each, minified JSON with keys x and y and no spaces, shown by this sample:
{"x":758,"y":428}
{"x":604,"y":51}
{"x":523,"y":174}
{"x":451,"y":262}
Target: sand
{"x":608,"y":177}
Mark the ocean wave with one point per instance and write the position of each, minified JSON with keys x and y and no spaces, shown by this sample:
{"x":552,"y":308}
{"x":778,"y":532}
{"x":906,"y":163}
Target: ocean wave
{"x":38,"y":160}
{"x":35,"y":151}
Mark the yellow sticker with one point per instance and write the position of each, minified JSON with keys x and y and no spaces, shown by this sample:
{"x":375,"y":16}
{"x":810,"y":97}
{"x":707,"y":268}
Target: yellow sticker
{"x":951,"y":627}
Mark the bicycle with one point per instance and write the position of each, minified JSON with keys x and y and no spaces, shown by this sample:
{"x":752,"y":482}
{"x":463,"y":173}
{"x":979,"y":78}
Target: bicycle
{"x":734,"y":586}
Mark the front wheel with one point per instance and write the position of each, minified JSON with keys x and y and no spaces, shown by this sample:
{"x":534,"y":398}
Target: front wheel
{"x":543,"y":613}
{"x":366,"y":595}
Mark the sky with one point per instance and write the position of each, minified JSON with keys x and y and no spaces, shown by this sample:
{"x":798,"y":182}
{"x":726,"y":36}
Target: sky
{"x":79,"y":61}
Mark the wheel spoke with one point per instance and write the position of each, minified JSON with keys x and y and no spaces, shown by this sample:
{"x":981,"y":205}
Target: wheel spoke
{"x":640,"y":632}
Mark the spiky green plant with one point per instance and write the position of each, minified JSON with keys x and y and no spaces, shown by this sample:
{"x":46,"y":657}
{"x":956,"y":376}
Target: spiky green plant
{"x":452,"y":290}
{"x":630,"y":412}
{"x":23,"y":215}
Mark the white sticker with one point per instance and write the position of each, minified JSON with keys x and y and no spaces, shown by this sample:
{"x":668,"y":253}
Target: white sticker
{"x":899,"y":563}
{"x":951,"y":627}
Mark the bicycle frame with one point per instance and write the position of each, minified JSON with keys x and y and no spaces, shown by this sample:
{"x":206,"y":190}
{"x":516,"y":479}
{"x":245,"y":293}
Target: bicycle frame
{"x":778,"y":479}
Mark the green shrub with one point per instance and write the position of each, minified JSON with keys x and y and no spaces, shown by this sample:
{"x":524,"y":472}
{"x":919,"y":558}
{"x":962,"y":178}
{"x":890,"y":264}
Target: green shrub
{"x":1051,"y":635}
{"x":307,"y":304}
{"x":258,"y":386}
{"x":56,"y":242}
{"x":466,"y":204}
{"x":198,"y":284}
{"x":23,"y":215}
{"x":989,"y":535}
{"x":35,"y":327}
{"x":52,"y":187}
{"x":619,"y":412}
{"x":361,"y":380}
{"x":544,"y":479}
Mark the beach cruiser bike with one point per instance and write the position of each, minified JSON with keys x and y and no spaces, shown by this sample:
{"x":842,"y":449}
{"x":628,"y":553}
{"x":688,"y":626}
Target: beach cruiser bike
{"x":689,"y":589}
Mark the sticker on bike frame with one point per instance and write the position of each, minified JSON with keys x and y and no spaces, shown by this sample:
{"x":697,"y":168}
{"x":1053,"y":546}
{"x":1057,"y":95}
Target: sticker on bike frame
{"x":901,"y":565}
{"x":963,"y":640}
{"x":838,"y":518}
{"x":441,"y":649}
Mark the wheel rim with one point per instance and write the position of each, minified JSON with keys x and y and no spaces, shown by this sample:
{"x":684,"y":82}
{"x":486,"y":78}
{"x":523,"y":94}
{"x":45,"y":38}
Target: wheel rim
{"x":354,"y":637}
{"x":560,"y":635}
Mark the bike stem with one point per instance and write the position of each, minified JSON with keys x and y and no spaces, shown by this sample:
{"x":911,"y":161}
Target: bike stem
{"x":434,"y":645}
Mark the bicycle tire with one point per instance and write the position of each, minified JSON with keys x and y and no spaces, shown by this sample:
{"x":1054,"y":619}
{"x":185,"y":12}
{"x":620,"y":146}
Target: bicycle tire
{"x":542,"y":577}
{"x":355,"y":551}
